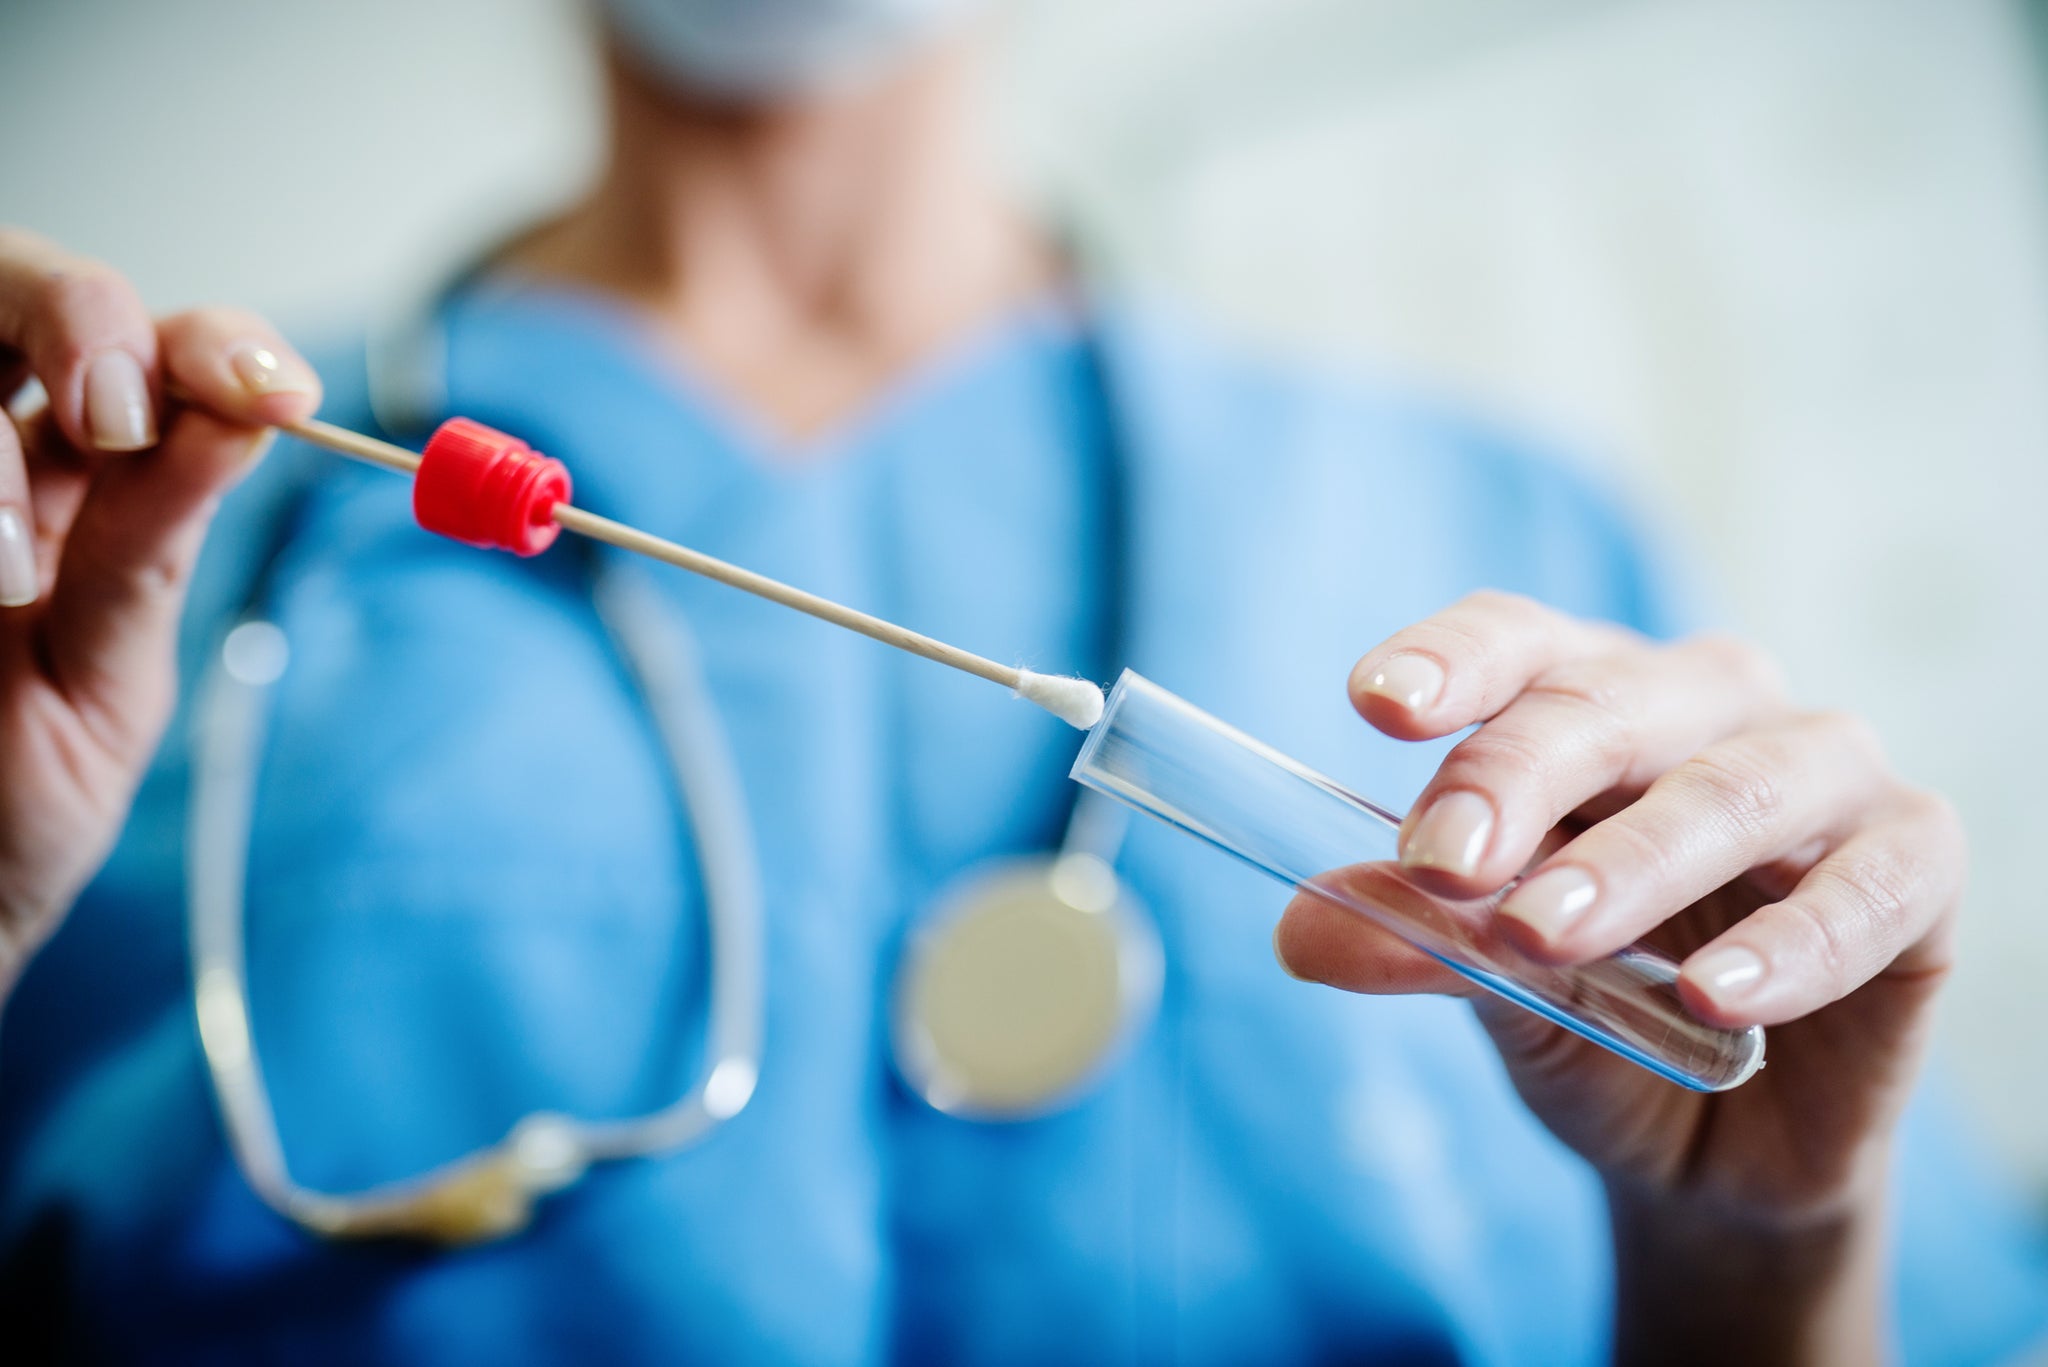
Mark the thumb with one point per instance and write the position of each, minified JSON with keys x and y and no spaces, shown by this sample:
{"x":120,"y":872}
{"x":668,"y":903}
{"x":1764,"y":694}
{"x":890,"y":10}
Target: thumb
{"x":111,"y":624}
{"x":1322,"y":939}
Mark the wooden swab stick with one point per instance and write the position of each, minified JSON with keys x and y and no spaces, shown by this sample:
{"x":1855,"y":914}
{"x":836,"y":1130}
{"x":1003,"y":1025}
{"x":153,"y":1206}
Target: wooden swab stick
{"x":356,"y":444}
{"x":618,"y":534}
{"x":1075,"y":701}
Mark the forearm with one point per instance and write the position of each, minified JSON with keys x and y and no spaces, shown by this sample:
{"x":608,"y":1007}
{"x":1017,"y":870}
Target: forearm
{"x":1694,"y":1288}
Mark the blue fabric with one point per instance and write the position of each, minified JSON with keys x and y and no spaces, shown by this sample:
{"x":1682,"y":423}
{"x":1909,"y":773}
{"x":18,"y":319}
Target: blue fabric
{"x":470,"y":899}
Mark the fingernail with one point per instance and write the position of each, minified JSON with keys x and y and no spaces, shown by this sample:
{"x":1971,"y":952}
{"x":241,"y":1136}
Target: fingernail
{"x":262,"y":371}
{"x":1728,"y":973}
{"x":1414,"y":681}
{"x":17,"y":560}
{"x":1451,"y":835}
{"x":117,"y":411}
{"x":1552,"y":900}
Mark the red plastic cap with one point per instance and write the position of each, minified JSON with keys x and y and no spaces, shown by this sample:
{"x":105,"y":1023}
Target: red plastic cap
{"x":483,"y":487}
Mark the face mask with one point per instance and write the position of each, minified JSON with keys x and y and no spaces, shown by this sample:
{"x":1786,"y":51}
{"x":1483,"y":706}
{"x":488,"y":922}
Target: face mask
{"x":765,"y":48}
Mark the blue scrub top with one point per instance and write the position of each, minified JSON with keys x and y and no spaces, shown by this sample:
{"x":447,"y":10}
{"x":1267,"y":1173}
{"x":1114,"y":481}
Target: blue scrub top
{"x":470,"y":897}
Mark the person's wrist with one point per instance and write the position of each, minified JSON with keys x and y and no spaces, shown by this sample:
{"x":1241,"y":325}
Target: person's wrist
{"x":1697,"y":1281}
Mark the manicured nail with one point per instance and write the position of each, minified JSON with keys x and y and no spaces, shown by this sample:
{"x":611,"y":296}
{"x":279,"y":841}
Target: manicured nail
{"x":1414,"y":681}
{"x":117,"y":410}
{"x":1729,"y":973}
{"x":262,"y":371}
{"x":1451,"y":835}
{"x":17,"y":560}
{"x":1552,"y":900}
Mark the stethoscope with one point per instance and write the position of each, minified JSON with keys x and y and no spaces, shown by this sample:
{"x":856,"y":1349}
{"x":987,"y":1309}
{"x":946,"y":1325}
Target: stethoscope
{"x":1014,"y":994}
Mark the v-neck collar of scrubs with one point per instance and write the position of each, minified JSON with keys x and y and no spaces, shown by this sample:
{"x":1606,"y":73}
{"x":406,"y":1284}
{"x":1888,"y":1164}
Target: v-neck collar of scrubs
{"x":631,"y":361}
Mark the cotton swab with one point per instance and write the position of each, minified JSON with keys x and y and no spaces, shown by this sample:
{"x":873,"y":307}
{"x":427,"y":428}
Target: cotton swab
{"x":486,"y":488}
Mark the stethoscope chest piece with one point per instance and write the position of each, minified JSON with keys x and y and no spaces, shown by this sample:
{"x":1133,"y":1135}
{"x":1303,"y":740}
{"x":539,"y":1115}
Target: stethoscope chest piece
{"x":1023,"y":986}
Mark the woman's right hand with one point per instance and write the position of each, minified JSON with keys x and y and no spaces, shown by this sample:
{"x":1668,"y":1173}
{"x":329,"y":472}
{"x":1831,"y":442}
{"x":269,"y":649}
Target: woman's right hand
{"x":105,"y":496}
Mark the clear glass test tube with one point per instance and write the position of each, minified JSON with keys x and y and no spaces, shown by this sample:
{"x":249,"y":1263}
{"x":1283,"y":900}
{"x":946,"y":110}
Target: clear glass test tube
{"x":1168,"y":758}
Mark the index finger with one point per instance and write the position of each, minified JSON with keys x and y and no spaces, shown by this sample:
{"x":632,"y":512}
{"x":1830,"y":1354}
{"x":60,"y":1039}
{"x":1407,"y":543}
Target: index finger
{"x":83,"y":332}
{"x":1469,"y":661}
{"x":236,"y":365}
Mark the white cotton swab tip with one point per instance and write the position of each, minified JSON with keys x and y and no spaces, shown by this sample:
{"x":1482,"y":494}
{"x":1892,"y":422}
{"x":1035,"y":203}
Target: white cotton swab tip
{"x":1076,"y":702}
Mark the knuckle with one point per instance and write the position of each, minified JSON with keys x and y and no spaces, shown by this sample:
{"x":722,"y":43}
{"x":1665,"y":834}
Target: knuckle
{"x":1595,"y":685}
{"x":1493,"y":753}
{"x":20,"y":246}
{"x":222,"y":322}
{"x":1609,"y":743}
{"x":1498,"y":609}
{"x":79,"y":288}
{"x":1627,"y":847}
{"x":1741,"y":782}
{"x":1743,"y":660}
{"x":1925,"y":850}
{"x":1454,"y":638}
{"x":1501,"y":604}
{"x":179,"y":330}
{"x":153,"y":582}
{"x":76,"y":296}
{"x":1861,"y":908}
{"x":1885,"y":885}
{"x":1825,"y":939}
{"x":1619,"y":636}
{"x":1850,"y":733}
{"x":1603,"y":715}
{"x":1939,"y":814}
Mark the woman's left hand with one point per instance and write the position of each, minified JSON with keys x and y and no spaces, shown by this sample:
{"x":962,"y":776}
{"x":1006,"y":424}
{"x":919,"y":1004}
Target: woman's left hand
{"x":1668,"y":792}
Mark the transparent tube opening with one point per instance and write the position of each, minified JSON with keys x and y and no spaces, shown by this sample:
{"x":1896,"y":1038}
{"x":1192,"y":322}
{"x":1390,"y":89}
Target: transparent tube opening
{"x":1168,"y":758}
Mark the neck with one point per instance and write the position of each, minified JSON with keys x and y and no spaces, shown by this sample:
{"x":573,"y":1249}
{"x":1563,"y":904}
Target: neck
{"x":802,"y":255}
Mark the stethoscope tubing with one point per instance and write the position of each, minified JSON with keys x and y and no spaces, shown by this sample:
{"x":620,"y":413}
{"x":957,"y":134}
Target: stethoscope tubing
{"x":230,"y":724}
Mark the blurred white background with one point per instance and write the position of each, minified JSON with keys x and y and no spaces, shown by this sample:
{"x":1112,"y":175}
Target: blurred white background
{"x":1782,"y":265}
